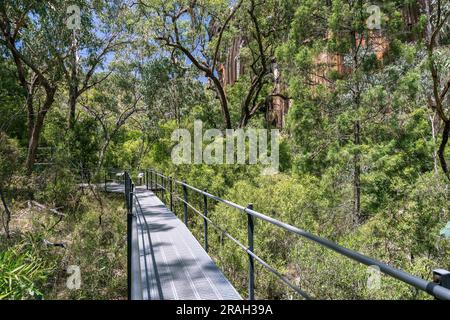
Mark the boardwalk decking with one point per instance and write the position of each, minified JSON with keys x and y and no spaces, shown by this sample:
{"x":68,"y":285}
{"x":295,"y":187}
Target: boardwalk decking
{"x":168,"y":263}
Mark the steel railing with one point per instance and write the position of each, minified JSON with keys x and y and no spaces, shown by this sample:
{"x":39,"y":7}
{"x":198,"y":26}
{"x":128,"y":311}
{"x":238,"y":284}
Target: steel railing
{"x":162,"y":184}
{"x":134,"y":211}
{"x":158,"y":182}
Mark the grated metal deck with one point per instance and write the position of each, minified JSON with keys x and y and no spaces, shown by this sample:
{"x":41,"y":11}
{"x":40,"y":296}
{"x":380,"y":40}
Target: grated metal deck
{"x":168,"y":263}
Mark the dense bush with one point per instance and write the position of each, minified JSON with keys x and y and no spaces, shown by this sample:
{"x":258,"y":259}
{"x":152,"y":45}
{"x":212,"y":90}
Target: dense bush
{"x":406,"y":235}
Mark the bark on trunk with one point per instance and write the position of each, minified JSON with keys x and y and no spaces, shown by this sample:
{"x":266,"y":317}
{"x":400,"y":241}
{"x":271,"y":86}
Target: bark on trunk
{"x":37,"y":129}
{"x":102,"y":155}
{"x":357,"y":217}
{"x":73,"y":95}
{"x":441,"y":151}
{"x":433,"y":135}
{"x":73,"y":85}
{"x":357,"y":175}
{"x":223,"y":101}
{"x":30,"y":116}
{"x":7,"y":219}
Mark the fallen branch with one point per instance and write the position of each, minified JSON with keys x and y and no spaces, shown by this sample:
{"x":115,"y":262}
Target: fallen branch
{"x":43,"y":207}
{"x":54,"y":244}
{"x":54,"y":211}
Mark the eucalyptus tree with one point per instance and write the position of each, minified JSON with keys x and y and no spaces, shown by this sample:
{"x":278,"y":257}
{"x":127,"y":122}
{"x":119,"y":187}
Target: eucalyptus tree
{"x":114,"y":102}
{"x":204,"y":30}
{"x":436,"y":19}
{"x":28,"y":31}
{"x":9,"y":162}
{"x":170,"y":89}
{"x":332,"y":57}
{"x":54,"y":44}
{"x":184,"y":26}
{"x":102,"y":31}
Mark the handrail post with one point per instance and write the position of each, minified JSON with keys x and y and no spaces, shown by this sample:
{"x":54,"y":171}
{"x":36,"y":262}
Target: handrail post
{"x":185,"y":203}
{"x":146,"y":179}
{"x":160,"y":187}
{"x":127,"y":195}
{"x":151,"y":179}
{"x":129,"y":190}
{"x":205,"y":222}
{"x":157,"y":186}
{"x":126,"y":189}
{"x":251,"y":262}
{"x":131,"y":198}
{"x":170,"y":193}
{"x":106,"y":188}
{"x":129,"y":240}
{"x":163,"y":188}
{"x":129,"y":187}
{"x":125,"y":183}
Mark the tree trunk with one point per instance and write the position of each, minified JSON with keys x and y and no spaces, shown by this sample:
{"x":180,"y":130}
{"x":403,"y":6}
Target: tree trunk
{"x":357,"y":218}
{"x":30,"y":116}
{"x":8,"y":215}
{"x":37,"y":129}
{"x":73,"y":95}
{"x":102,"y":155}
{"x":433,"y":135}
{"x":33,"y":143}
{"x":357,"y":175}
{"x":223,"y":102}
{"x":73,"y":83}
{"x":441,"y":151}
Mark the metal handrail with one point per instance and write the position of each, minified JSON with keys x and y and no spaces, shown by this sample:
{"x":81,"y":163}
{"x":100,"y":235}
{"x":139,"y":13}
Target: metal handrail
{"x":431,"y":288}
{"x":134,"y":205}
{"x":140,"y":217}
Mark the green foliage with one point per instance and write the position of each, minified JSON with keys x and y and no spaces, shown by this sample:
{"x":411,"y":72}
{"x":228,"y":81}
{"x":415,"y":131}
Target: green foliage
{"x":99,"y":251}
{"x":23,"y":272}
{"x":12,"y":120}
{"x":31,"y":270}
{"x":405,"y":235}
{"x":352,"y":109}
{"x":10,"y":156}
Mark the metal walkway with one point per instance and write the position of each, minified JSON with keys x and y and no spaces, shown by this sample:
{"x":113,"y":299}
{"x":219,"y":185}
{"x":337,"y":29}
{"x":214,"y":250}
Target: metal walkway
{"x":167,"y":261}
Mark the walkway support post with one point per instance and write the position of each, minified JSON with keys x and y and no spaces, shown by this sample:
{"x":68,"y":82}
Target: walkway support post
{"x":185,"y":203}
{"x":160,"y":185}
{"x":151,"y":179}
{"x":125,"y":182}
{"x":129,"y":196}
{"x":163,"y":188}
{"x":205,"y":222}
{"x":251,"y":262}
{"x":128,"y":192}
{"x":170,"y":193}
